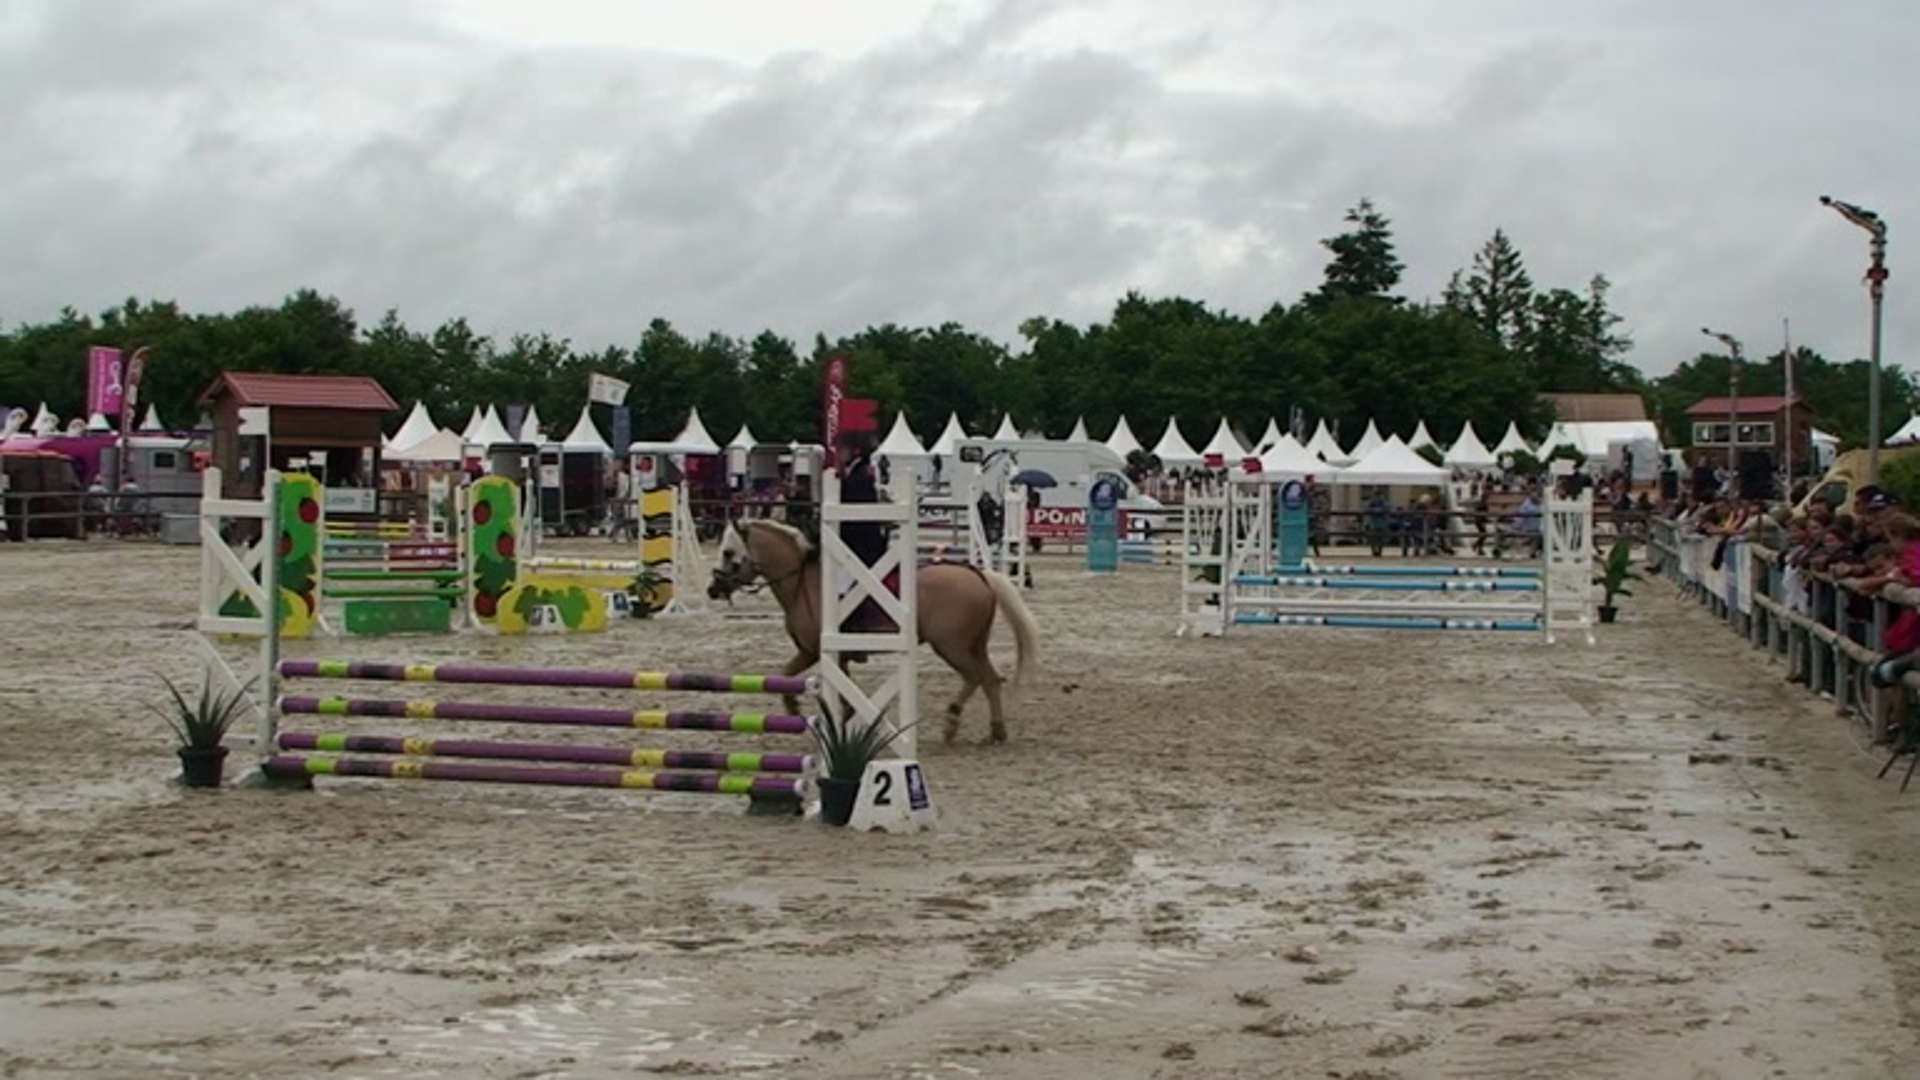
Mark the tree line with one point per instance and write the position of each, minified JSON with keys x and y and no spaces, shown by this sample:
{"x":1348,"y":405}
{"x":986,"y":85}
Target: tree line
{"x":1350,"y":351}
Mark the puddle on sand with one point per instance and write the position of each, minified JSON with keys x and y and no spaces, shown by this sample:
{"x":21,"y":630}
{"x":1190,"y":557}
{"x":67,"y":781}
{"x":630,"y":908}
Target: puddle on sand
{"x":626,"y":1024}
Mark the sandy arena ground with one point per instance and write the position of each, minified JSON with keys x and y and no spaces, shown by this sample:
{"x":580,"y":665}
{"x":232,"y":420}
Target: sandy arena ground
{"x":1289,"y":853}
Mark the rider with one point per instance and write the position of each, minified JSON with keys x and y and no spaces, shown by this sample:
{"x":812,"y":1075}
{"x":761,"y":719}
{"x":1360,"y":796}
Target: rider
{"x":867,"y":540}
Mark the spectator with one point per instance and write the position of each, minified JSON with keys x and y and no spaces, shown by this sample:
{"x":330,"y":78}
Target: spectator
{"x":1378,"y":522}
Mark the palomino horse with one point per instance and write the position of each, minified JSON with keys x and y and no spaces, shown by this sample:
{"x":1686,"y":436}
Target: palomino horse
{"x":955,"y":608}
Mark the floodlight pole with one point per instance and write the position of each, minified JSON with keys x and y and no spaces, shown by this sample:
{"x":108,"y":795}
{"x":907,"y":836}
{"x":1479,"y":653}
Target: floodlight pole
{"x":1733,"y":397}
{"x":1876,"y":230}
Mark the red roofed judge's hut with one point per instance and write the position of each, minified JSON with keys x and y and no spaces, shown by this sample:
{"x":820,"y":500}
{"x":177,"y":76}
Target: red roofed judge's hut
{"x":329,"y":425}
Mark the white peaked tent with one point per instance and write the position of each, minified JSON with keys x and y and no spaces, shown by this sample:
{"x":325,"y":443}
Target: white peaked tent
{"x":492,"y":432}
{"x":1370,"y":441}
{"x":98,"y":422}
{"x":1909,"y":432}
{"x":1468,"y":452}
{"x":693,"y":437}
{"x":419,"y":427}
{"x":44,"y":422}
{"x":1173,"y":449}
{"x":1326,"y":446}
{"x":585,"y":436}
{"x":1511,"y":441}
{"x":443,"y":445}
{"x":900,"y":440}
{"x":151,"y":421}
{"x":473,"y":423}
{"x":1392,"y":462}
{"x":953,"y":433}
{"x":744,"y":439}
{"x":1006,"y":432}
{"x":530,"y":425}
{"x":1226,"y":444}
{"x":1271,"y":437}
{"x":1420,"y":437}
{"x":1079,"y":432}
{"x":1122,"y":440}
{"x":1286,"y":459}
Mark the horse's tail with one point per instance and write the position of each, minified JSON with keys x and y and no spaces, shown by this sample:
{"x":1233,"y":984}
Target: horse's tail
{"x":1026,"y":632}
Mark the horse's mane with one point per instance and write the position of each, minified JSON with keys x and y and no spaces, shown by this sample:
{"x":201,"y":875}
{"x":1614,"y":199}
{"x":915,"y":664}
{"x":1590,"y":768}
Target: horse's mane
{"x":800,"y":539}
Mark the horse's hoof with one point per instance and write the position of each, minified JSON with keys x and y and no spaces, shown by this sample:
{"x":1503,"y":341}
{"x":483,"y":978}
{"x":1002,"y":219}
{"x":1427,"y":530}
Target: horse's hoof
{"x":999,"y":733}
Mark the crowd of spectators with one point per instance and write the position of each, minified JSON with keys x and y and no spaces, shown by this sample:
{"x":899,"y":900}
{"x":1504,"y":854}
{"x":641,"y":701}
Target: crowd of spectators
{"x":1865,"y":546}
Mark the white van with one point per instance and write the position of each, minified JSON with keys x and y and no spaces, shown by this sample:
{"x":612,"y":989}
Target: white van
{"x":1061,"y":475}
{"x":1063,"y":472}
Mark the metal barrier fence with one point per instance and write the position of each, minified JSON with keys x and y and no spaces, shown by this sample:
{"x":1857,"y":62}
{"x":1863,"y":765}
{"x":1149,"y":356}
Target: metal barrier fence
{"x":76,"y":515}
{"x":1831,"y":633}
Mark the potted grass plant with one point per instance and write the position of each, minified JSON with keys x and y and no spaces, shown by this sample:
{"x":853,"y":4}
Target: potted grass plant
{"x":1614,"y":574}
{"x":201,"y":724}
{"x":847,"y":746}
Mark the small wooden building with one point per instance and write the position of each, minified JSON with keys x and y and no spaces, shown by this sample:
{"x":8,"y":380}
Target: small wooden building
{"x":329,"y":425}
{"x":1763,"y":424}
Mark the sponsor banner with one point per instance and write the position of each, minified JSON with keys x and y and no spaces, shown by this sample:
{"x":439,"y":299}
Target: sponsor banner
{"x":606,"y":390}
{"x":106,"y":390}
{"x":1066,"y":523}
{"x":834,"y":391}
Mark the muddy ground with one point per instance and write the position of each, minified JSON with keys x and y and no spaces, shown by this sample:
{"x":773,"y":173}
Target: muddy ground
{"x":1286,"y":853}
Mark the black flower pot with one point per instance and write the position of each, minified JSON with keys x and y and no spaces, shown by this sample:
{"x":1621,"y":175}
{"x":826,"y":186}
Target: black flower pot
{"x":1607,"y":612}
{"x":203,"y":766}
{"x":837,"y":799}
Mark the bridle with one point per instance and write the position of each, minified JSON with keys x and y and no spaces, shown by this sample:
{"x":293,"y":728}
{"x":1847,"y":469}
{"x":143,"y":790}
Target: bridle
{"x":748,"y":576}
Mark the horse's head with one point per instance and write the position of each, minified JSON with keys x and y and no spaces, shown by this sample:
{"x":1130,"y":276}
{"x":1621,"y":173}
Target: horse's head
{"x":736,"y":569}
{"x":758,"y":550}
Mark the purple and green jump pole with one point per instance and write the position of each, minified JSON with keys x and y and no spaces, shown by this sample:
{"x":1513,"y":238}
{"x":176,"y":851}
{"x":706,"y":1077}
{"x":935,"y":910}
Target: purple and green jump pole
{"x":374,"y":671}
{"x":774,"y":781}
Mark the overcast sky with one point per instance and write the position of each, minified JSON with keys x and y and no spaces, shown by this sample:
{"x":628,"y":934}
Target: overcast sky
{"x":822,"y":166}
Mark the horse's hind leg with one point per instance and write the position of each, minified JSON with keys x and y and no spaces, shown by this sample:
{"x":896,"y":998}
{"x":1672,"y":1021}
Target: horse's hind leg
{"x":991,"y":682}
{"x":976,"y":672}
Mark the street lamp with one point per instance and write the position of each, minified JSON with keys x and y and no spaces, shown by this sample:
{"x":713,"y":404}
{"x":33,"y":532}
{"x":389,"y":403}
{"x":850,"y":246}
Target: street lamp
{"x":1733,"y":396}
{"x":1876,"y":289}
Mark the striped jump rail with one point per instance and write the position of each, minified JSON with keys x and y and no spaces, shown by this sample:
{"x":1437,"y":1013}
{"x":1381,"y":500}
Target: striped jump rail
{"x":1384,"y":622}
{"x":768,"y":778}
{"x":399,"y":530}
{"x":1425,"y":571}
{"x":448,"y":573}
{"x":562,"y":562}
{"x":1371,"y":584}
{"x":744,"y":723}
{"x":377,"y":671}
{"x":1312,"y":605}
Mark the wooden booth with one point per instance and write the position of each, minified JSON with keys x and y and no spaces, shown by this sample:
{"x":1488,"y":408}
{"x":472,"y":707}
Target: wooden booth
{"x":327,"y":425}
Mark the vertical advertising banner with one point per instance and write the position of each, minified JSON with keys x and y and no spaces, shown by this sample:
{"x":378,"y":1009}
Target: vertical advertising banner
{"x":835,"y":390}
{"x":106,"y":391}
{"x":1103,"y":528}
{"x":130,"y":390}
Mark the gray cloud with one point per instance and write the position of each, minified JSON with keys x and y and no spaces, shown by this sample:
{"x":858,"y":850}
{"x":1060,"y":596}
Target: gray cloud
{"x":1005,"y":161}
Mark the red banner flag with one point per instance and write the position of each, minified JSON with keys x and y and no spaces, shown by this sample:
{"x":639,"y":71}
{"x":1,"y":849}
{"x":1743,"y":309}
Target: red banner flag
{"x":836,"y":391}
{"x":859,"y":414}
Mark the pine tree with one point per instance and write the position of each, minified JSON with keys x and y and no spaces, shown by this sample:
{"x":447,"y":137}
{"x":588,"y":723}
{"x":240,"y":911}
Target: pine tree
{"x":1364,"y":264}
{"x":1498,"y":294}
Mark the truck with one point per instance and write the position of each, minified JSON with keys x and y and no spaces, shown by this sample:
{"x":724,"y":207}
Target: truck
{"x":1060,"y":473}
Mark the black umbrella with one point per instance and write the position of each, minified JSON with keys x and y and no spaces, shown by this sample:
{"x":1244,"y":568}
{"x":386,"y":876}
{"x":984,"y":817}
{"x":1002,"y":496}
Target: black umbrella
{"x":1035,"y":478}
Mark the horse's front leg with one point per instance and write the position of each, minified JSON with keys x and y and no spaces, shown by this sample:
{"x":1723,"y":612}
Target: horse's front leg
{"x":801,"y":661}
